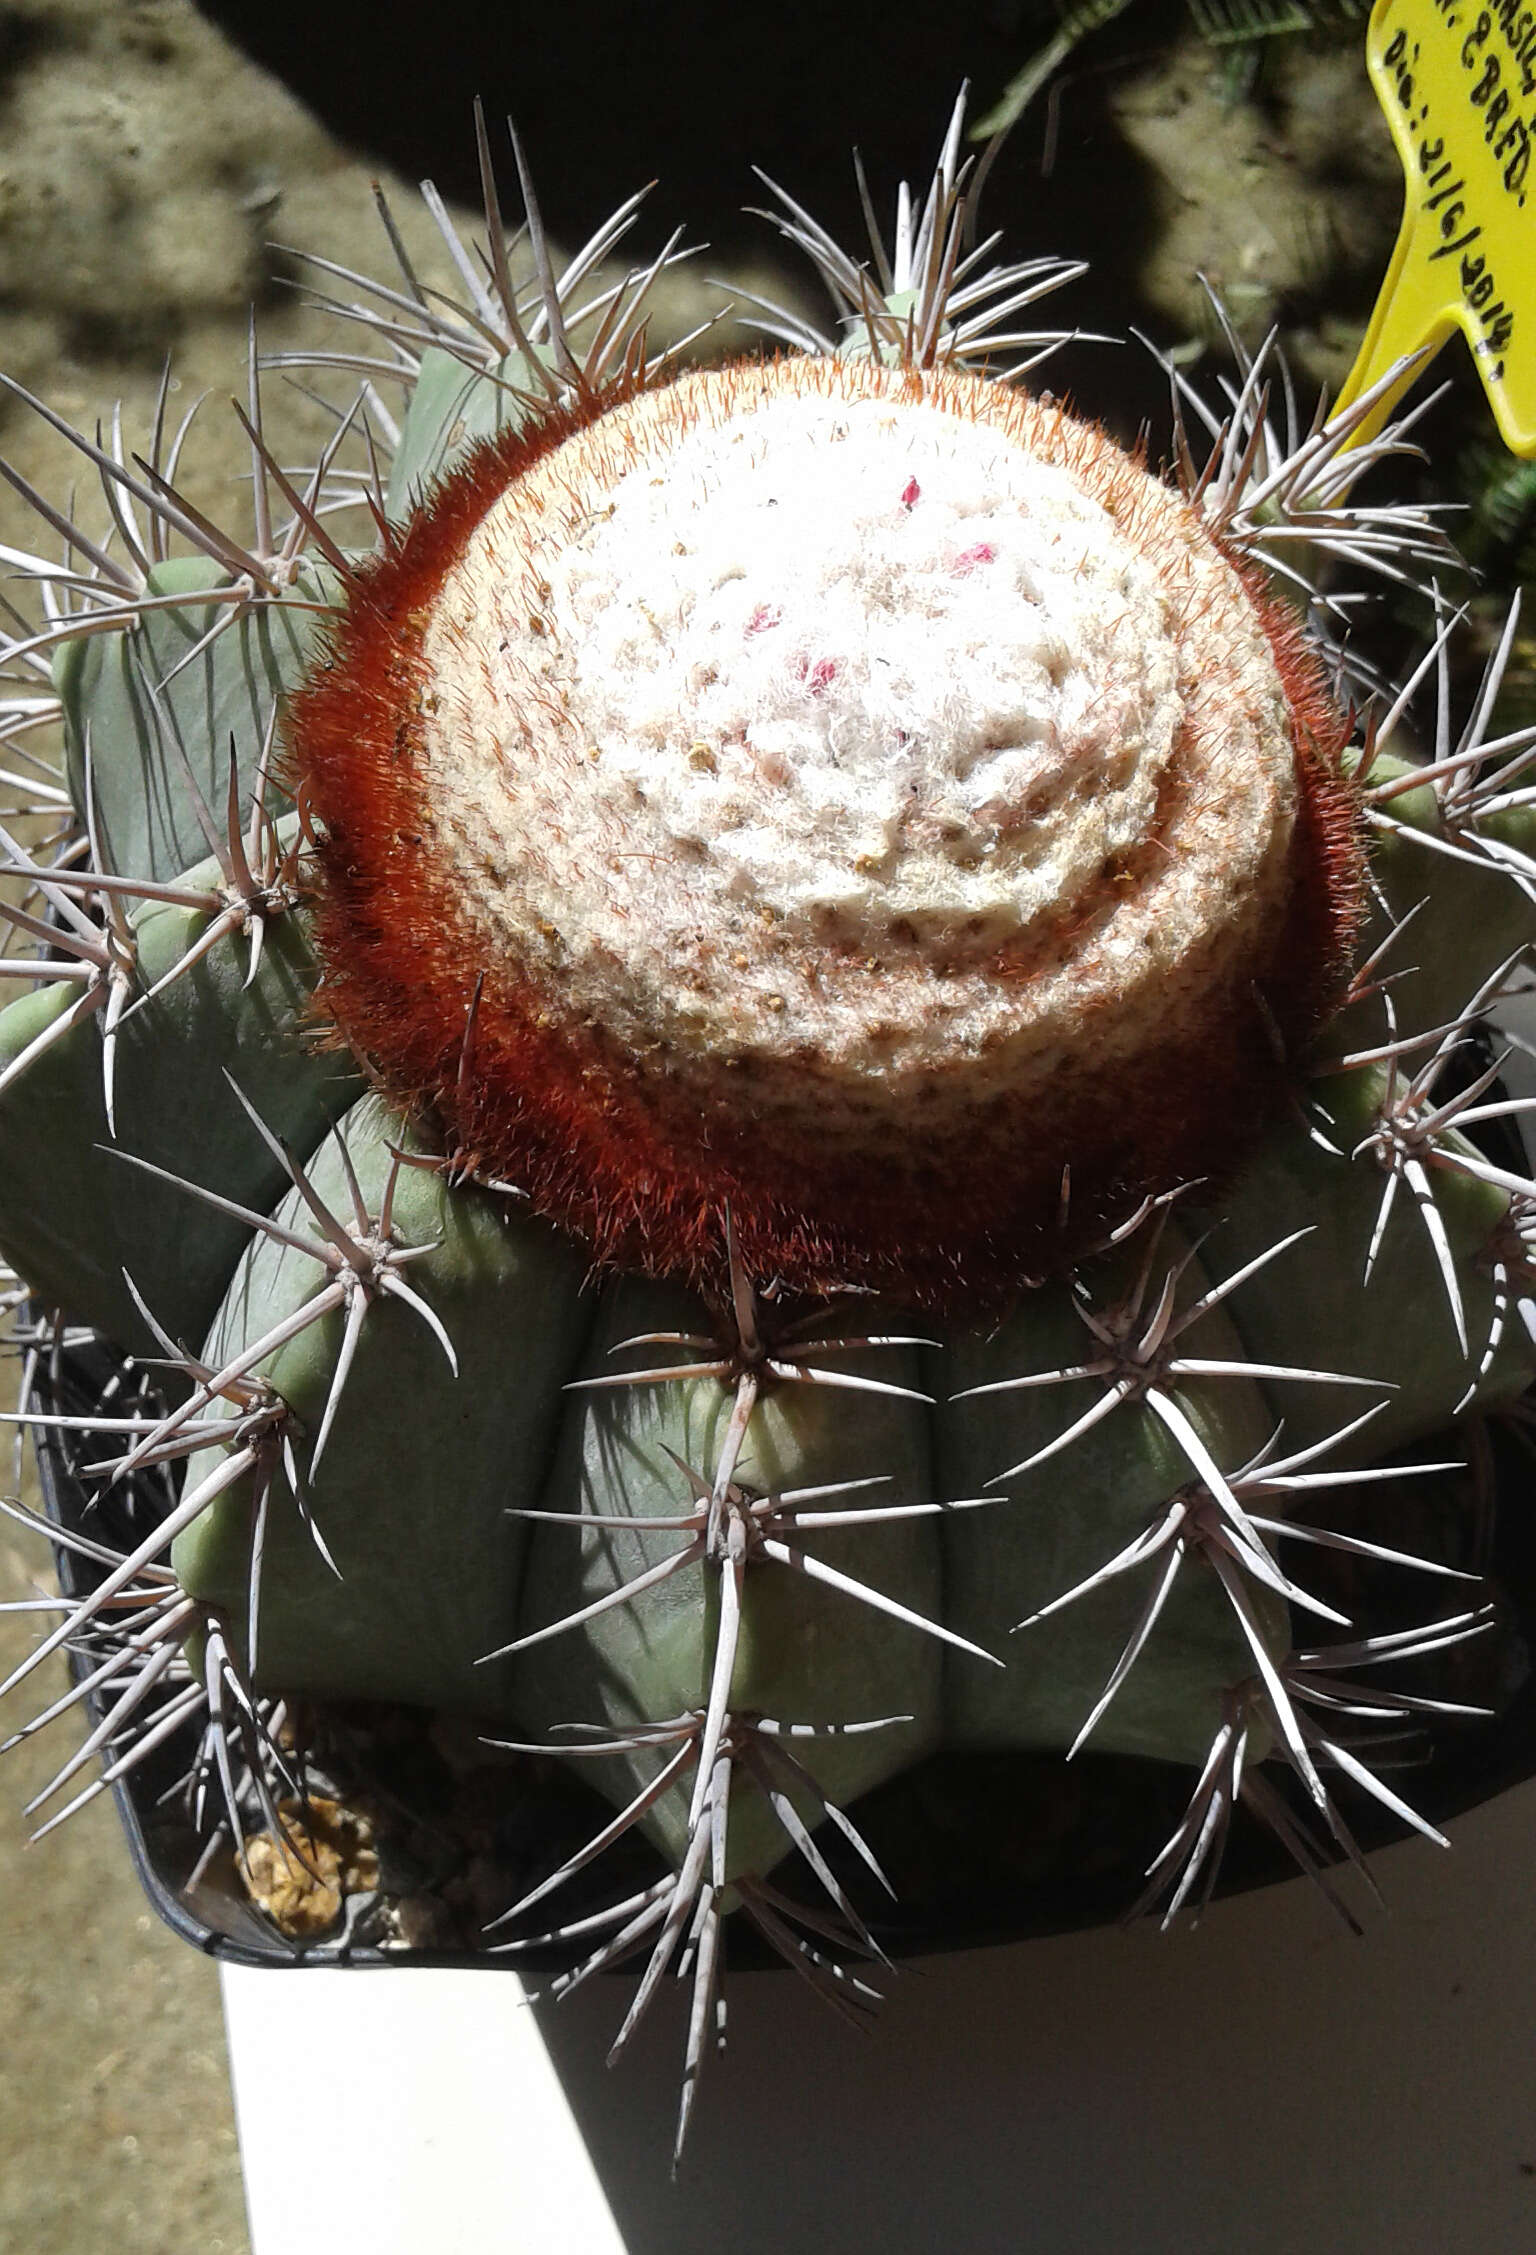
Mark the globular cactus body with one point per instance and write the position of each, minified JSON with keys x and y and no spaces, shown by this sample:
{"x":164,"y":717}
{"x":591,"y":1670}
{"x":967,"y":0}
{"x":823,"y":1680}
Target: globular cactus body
{"x":498,"y":1303}
{"x":159,"y":713}
{"x":168,"y":1077}
{"x":724,"y":1003}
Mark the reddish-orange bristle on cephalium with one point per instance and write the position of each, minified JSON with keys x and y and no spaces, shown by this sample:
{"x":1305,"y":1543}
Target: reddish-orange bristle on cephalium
{"x":844,"y":795}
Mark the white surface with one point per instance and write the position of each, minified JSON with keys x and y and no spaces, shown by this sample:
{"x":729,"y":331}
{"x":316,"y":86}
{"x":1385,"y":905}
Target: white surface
{"x":405,"y":2111}
{"x":1264,"y":2086}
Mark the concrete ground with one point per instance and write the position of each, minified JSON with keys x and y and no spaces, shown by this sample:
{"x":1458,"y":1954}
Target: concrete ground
{"x":116,"y":2128}
{"x":144,"y":166}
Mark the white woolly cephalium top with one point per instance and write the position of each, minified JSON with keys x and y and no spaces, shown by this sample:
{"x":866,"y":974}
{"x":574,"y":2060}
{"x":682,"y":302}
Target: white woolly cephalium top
{"x":865,"y":729}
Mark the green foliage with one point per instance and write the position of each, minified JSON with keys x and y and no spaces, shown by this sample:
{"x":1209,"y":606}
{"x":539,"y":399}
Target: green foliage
{"x":1221,"y":23}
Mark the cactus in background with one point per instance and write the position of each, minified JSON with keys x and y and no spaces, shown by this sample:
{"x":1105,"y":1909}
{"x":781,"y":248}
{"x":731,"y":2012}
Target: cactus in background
{"x":769,"y":1090}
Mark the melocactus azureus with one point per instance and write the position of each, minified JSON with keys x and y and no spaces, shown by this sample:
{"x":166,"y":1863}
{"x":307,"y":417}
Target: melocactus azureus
{"x":768,"y":847}
{"x":855,"y":794}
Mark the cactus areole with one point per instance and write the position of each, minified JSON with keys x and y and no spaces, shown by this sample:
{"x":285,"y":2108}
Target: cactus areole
{"x":768,"y":847}
{"x":855,"y":796}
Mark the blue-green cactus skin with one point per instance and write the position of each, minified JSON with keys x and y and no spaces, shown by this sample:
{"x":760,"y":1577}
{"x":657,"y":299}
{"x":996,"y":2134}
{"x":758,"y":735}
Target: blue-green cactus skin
{"x":156,"y":713}
{"x":809,"y":1654}
{"x":450,"y":1460}
{"x":422,"y":1465}
{"x":1398,"y":1329}
{"x":452,"y":409}
{"x":175,"y":1111}
{"x":1462,"y":919}
{"x":423,"y":1470}
{"x":1048,"y":1536}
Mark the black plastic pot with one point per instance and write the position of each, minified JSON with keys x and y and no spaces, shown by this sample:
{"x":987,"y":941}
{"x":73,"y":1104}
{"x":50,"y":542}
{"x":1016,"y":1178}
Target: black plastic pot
{"x":983,"y":1848}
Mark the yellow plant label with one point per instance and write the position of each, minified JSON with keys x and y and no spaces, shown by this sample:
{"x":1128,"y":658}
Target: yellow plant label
{"x":1458,"y":83}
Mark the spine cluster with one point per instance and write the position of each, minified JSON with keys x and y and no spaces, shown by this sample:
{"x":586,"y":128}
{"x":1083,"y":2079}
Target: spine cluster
{"x":499,"y":1078}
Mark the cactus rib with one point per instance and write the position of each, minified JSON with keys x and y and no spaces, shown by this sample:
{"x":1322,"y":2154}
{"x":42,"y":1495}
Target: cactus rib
{"x":1156,"y":1070}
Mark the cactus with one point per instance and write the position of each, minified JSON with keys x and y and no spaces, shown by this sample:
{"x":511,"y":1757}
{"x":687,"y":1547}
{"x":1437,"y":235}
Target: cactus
{"x":766,"y":1089}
